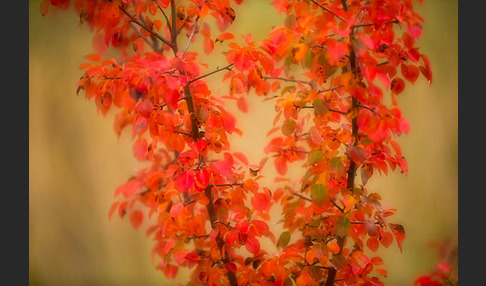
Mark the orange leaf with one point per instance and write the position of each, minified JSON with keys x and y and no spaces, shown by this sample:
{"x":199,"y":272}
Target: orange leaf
{"x":136,"y":218}
{"x":386,"y":239}
{"x":225,"y":36}
{"x":92,"y":57}
{"x":85,"y":66}
{"x":333,"y":247}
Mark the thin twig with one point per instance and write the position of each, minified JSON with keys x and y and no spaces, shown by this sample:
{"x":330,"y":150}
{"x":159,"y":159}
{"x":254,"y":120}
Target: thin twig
{"x":191,"y":35}
{"x":302,"y":197}
{"x":213,"y":72}
{"x":330,"y":89}
{"x":327,"y":9}
{"x":165,"y":15}
{"x":197,"y":236}
{"x":162,"y":39}
{"x":286,"y":79}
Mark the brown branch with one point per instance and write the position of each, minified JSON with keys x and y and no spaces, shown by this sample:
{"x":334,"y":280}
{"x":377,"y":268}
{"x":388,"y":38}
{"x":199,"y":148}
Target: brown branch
{"x":228,"y":185}
{"x":294,"y":150}
{"x":197,"y":236}
{"x":173,"y":30}
{"x":373,"y":24}
{"x":165,"y":15}
{"x":341,"y":209}
{"x":191,"y":35}
{"x":354,"y":135}
{"x":302,"y":197}
{"x":228,"y":67}
{"x":156,"y":35}
{"x":330,"y":89}
{"x":328,"y":10}
{"x":286,"y":79}
{"x":219,"y":240}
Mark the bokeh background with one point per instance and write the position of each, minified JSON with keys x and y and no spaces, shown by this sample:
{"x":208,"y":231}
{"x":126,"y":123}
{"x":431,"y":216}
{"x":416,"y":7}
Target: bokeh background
{"x":76,"y":161}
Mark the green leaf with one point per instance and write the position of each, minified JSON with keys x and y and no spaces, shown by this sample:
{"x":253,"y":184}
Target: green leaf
{"x":319,"y":107}
{"x":314,"y":156}
{"x":284,"y":239}
{"x":343,"y":225}
{"x":288,"y":127}
{"x":306,"y":178}
{"x":318,"y":194}
{"x":286,"y":89}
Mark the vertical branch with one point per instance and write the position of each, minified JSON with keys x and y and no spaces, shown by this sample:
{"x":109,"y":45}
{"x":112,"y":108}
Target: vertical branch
{"x":207,"y":192}
{"x":352,"y":165}
{"x":219,"y":240}
{"x":173,"y":30}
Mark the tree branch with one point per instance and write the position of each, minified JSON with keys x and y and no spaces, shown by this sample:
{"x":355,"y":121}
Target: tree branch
{"x":165,"y":15}
{"x":173,"y":30}
{"x":327,"y":9}
{"x":302,"y":197}
{"x":354,"y":135}
{"x":156,"y":35}
{"x":286,"y":79}
{"x":208,"y":74}
{"x":191,"y":35}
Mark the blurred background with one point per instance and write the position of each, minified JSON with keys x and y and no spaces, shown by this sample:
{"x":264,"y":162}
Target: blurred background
{"x":76,"y":161}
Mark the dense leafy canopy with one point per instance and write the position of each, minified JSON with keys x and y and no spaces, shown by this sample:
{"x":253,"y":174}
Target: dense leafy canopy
{"x":335,"y":70}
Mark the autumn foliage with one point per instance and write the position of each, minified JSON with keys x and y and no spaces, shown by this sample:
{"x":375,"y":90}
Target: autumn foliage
{"x":335,"y":70}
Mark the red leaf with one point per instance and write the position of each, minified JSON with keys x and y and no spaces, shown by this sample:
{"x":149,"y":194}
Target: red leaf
{"x":253,"y":245}
{"x":242,"y":226}
{"x":357,"y":154}
{"x":371,"y":227}
{"x":241,"y":157}
{"x":202,"y":179}
{"x":399,"y":233}
{"x":184,"y":181}
{"x":410,"y":72}
{"x":426,"y":69}
{"x":397,"y":85}
{"x":44,"y":7}
{"x":242,"y":104}
{"x":228,"y":122}
{"x":231,"y":266}
{"x":315,"y":135}
{"x":140,"y":148}
{"x":387,"y":239}
{"x":208,"y":46}
{"x":373,"y":243}
{"x":176,"y":209}
{"x":230,"y":237}
{"x":260,"y":202}
{"x":281,"y":165}
{"x":128,"y":189}
{"x":136,"y":218}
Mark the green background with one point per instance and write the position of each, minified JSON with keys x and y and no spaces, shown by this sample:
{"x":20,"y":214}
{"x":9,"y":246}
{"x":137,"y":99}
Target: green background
{"x":76,"y":161}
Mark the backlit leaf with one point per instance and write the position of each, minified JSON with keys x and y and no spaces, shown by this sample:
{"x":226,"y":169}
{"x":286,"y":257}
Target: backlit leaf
{"x":136,"y":218}
{"x":253,"y":245}
{"x":343,"y":225}
{"x":284,"y":239}
{"x":399,"y":233}
{"x":288,"y":127}
{"x":318,"y":194}
{"x":319,"y":107}
{"x":314,"y":156}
